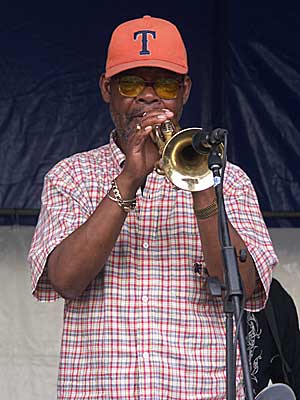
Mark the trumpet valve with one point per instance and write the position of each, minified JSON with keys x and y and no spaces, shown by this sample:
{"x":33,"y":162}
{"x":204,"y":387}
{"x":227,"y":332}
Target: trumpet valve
{"x":167,"y":130}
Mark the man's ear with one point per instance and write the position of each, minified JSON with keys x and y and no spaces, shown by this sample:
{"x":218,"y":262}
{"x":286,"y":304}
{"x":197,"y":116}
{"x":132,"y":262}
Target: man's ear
{"x":187,"y":84}
{"x":104,"y":85}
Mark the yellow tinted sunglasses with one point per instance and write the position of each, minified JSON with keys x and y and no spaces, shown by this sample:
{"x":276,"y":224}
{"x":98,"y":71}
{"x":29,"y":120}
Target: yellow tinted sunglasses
{"x":165,"y":88}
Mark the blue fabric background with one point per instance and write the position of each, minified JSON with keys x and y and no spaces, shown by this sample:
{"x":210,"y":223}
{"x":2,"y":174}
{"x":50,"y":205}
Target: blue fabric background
{"x":245,"y":66}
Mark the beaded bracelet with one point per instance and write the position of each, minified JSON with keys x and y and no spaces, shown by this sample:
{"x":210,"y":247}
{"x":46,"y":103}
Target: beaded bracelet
{"x":208,"y":211}
{"x":126,"y":205}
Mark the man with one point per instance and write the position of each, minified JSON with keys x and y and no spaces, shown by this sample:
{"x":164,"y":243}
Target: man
{"x":120,"y":243}
{"x":273,"y":341}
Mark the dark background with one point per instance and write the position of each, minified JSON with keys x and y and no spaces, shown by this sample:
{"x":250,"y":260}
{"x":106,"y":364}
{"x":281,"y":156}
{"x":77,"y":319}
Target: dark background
{"x":244,"y":62}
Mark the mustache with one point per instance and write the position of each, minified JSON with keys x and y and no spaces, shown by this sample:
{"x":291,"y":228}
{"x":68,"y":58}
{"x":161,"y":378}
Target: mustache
{"x":140,"y":113}
{"x":135,"y":114}
{"x":130,"y":116}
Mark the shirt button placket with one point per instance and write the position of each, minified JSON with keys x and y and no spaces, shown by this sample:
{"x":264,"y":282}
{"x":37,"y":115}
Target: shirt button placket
{"x":143,"y":329}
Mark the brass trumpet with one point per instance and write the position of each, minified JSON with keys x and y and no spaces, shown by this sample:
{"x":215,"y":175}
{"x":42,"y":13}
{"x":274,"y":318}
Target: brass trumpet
{"x":179,"y":162}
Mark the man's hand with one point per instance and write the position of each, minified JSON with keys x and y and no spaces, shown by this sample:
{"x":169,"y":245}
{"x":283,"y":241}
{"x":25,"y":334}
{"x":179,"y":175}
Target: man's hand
{"x":141,"y":152}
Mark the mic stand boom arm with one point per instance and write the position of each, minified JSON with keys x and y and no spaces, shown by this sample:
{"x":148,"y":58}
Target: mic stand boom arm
{"x":233,"y":288}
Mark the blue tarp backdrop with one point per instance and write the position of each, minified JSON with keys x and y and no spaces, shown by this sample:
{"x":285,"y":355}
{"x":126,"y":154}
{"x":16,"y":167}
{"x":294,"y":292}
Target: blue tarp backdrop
{"x":245,"y":66}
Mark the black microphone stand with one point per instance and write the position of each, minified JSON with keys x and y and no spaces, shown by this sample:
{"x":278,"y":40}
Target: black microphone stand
{"x":233,"y":286}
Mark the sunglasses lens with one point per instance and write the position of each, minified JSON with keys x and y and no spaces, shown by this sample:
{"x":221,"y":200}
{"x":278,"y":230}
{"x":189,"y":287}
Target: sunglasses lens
{"x":167,"y":88}
{"x":131,"y":86}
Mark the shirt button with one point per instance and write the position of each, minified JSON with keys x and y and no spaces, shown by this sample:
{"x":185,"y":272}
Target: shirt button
{"x":145,"y":299}
{"x":146,"y":356}
{"x":145,"y":245}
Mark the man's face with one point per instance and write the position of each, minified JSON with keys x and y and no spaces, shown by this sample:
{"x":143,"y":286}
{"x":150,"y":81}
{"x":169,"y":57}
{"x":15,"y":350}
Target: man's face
{"x":126,"y":111}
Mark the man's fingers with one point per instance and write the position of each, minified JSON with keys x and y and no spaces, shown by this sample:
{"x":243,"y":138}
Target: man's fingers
{"x":156,"y":117}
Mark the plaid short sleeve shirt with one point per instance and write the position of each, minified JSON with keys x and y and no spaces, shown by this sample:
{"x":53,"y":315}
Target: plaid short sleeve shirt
{"x":146,"y":327}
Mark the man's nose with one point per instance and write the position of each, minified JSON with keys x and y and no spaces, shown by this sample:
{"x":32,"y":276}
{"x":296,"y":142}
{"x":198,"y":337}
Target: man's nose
{"x":148,"y":95}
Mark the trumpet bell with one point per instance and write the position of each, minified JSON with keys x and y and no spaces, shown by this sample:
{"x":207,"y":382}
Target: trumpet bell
{"x":183,"y":166}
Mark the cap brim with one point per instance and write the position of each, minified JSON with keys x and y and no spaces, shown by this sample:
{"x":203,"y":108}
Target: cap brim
{"x":179,"y":69}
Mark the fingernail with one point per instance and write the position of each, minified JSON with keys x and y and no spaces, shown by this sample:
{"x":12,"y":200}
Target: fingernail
{"x":148,"y":128}
{"x":167,"y":111}
{"x":162,"y":116}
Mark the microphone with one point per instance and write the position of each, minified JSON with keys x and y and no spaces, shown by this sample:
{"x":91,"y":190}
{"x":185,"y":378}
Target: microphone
{"x":204,"y":140}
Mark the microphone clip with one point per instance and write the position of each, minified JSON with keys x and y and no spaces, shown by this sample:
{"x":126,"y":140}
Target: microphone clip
{"x":204,"y":140}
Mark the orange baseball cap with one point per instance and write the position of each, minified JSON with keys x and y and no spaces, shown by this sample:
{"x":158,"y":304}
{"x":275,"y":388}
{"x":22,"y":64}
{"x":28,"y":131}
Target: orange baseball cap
{"x":146,"y":42}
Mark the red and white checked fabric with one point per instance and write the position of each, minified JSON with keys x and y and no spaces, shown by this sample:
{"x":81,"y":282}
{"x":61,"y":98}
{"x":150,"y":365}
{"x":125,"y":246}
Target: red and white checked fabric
{"x":146,"y":327}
